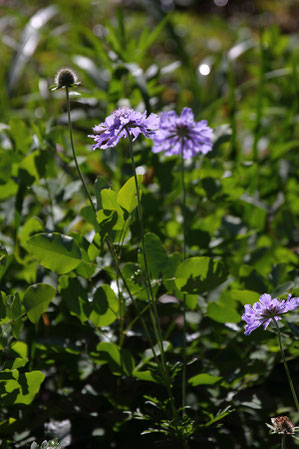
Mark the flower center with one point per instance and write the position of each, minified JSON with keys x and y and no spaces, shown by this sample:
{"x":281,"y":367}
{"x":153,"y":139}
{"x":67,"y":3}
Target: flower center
{"x":182,"y":131}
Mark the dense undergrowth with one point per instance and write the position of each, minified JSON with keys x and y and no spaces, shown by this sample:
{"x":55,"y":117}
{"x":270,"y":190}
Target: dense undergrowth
{"x":77,"y":326}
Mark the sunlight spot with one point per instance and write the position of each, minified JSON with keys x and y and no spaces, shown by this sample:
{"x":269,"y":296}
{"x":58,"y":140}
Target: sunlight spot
{"x":204,"y":69}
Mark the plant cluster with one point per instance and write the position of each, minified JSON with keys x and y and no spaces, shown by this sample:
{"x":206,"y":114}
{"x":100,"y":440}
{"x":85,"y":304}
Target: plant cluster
{"x":144,"y":216}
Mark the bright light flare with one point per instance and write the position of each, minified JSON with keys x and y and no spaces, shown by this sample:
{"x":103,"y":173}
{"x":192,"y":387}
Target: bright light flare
{"x":204,"y":69}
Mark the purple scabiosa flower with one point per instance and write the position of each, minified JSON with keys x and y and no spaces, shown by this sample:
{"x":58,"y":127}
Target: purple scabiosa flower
{"x":265,"y":310}
{"x":182,"y":133}
{"x":109,"y":132}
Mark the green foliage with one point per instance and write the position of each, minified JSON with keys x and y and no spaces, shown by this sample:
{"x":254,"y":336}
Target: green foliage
{"x":55,"y":251}
{"x":76,"y":327}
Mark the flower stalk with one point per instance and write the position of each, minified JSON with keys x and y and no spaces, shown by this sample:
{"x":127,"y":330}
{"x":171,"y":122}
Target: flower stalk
{"x":149,"y":290}
{"x":184,"y":382}
{"x":286,"y":367}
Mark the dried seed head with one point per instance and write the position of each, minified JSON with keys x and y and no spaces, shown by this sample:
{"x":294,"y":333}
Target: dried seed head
{"x":282,"y":424}
{"x":65,"y":78}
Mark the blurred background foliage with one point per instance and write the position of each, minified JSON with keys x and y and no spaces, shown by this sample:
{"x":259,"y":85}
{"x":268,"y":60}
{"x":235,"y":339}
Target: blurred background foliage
{"x":235,"y":66}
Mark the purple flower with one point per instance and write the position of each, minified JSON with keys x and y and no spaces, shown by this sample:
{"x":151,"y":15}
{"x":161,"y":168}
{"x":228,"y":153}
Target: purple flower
{"x":109,"y":132}
{"x":182,"y":133}
{"x":265,"y":310}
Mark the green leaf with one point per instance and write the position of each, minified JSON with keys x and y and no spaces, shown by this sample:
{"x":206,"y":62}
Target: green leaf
{"x":76,"y":298}
{"x":127,"y":196}
{"x":20,"y":135}
{"x":245,"y":296}
{"x":222,"y":314}
{"x":109,"y":203}
{"x":157,"y":257}
{"x":32,"y":226}
{"x":104,"y":307}
{"x":55,"y":251}
{"x":88,"y":214}
{"x":120,"y":360}
{"x":203,"y":379}
{"x":24,"y":389}
{"x":99,"y":185}
{"x":144,"y":375}
{"x":36,"y":300}
{"x":16,"y":363}
{"x":15,"y":312}
{"x":200,"y":274}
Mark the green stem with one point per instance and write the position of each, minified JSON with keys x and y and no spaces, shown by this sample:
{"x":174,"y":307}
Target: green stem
{"x":153,"y":309}
{"x":107,"y":240}
{"x":73,"y":148}
{"x":286,"y":366}
{"x":184,"y":295}
{"x":283,"y":441}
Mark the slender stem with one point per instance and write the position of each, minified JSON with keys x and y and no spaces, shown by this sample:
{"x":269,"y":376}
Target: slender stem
{"x":184,"y":383}
{"x":283,"y":441}
{"x":153,"y":309}
{"x":286,"y":366}
{"x":148,"y":279}
{"x":109,"y":244}
{"x":73,"y":148}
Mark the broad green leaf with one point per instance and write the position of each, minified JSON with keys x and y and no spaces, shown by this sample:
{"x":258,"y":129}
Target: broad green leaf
{"x":23,"y":390}
{"x":29,"y":169}
{"x":16,"y":363}
{"x":20,"y":348}
{"x":76,"y":298}
{"x":88,"y":214}
{"x":127,"y":196}
{"x":32,"y":226}
{"x":156,"y":254}
{"x":144,"y":375}
{"x":200,"y":274}
{"x":36,"y":300}
{"x":222,"y":314}
{"x":104,"y":307}
{"x":119,"y":359}
{"x":55,"y":251}
{"x":20,"y":135}
{"x":203,"y":379}
{"x":109,"y":203}
{"x":8,"y":189}
{"x":245,"y":296}
{"x":30,"y":385}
